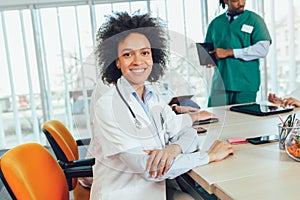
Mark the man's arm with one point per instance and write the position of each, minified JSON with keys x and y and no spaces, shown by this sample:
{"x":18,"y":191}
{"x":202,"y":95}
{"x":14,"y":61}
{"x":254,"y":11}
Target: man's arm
{"x":256,"y":51}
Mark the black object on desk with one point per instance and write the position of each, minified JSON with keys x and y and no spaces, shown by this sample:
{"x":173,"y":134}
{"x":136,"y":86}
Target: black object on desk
{"x":260,"y":110}
{"x":263,"y":139}
{"x":200,"y":129}
{"x":206,"y":121}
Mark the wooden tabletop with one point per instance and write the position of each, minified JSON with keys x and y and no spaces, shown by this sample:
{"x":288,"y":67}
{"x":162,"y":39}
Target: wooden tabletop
{"x":254,"y":171}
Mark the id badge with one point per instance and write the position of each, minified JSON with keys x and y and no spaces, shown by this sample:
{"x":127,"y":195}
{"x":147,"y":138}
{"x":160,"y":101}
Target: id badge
{"x":247,"y":28}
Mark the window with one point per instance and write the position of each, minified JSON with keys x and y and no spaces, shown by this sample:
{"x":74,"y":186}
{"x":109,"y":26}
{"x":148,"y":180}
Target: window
{"x":48,"y":70}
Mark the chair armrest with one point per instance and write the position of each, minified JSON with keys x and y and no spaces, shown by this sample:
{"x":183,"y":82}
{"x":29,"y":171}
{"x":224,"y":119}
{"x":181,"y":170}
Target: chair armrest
{"x":82,"y":171}
{"x":83,"y":142}
{"x":77,"y":163}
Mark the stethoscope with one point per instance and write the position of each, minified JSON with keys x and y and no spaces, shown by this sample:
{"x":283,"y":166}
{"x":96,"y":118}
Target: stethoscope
{"x":137,"y":123}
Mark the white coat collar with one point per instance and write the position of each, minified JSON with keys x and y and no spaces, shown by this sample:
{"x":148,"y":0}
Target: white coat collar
{"x":127,"y":90}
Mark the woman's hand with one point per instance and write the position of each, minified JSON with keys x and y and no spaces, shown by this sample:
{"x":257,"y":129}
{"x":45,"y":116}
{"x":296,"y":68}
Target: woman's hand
{"x":184,"y":109}
{"x":219,"y":151}
{"x":291,"y":102}
{"x":274,"y":99}
{"x":160,"y":160}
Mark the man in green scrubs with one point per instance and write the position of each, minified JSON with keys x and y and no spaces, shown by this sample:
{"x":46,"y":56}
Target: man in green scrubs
{"x":240,"y":38}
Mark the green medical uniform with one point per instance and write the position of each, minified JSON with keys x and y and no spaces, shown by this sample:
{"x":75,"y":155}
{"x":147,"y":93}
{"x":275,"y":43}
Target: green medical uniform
{"x":236,"y":80}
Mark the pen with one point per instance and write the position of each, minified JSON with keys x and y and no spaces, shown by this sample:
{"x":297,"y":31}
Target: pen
{"x":293,"y":119}
{"x":287,"y":122}
{"x":280,"y":118}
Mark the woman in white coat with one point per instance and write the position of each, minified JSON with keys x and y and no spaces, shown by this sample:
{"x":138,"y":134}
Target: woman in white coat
{"x":140,"y":142}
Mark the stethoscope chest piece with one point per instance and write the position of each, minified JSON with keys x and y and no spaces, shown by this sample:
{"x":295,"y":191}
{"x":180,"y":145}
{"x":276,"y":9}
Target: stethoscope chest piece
{"x":138,"y":124}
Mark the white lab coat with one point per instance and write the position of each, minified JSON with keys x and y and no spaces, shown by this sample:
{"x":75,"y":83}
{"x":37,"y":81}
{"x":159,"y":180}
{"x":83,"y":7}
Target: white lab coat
{"x":115,"y":133}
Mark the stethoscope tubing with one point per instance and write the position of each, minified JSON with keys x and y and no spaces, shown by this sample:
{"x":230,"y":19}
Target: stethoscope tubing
{"x":136,"y":121}
{"x":138,"y":124}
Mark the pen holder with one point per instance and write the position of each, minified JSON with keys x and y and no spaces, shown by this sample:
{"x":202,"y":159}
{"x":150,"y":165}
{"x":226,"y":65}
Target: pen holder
{"x":283,"y":132}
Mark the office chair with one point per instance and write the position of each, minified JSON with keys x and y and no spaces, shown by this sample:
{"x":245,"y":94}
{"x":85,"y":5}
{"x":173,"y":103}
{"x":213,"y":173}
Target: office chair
{"x":29,"y":171}
{"x":65,"y":148}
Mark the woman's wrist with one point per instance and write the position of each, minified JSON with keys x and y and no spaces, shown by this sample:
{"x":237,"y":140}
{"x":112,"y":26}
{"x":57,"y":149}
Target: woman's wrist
{"x":175,"y":149}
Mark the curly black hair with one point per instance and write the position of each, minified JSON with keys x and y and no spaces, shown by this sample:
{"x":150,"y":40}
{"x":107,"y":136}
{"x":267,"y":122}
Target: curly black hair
{"x":222,"y":3}
{"x":116,"y":28}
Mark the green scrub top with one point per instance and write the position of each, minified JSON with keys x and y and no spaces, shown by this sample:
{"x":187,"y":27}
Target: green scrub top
{"x":235,"y":74}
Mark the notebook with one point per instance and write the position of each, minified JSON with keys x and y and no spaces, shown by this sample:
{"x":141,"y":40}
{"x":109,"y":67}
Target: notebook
{"x":205,"y":58}
{"x":260,"y":109}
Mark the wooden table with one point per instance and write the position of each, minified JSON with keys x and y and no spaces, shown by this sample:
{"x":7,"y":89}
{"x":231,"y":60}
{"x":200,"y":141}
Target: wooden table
{"x":254,"y":171}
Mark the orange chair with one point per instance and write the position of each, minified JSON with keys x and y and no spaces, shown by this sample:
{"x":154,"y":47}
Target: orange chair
{"x":65,"y":148}
{"x":29,"y":171}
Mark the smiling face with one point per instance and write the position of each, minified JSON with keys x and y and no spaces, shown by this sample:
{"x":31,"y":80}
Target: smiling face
{"x":135,"y":59}
{"x":235,"y":6}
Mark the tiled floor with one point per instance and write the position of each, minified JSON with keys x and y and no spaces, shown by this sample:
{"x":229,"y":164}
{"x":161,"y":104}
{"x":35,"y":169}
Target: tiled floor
{"x":3,"y":193}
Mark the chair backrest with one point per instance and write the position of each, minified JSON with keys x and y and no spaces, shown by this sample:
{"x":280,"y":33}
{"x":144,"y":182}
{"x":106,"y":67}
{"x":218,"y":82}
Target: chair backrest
{"x":61,"y":140}
{"x":29,"y":171}
{"x":63,"y":145}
